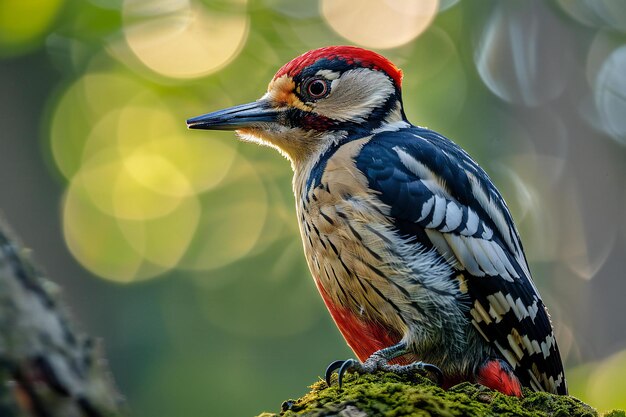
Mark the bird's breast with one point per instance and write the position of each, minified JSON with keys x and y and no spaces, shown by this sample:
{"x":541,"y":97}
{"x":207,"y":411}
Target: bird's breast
{"x":349,"y":245}
{"x":352,"y":264}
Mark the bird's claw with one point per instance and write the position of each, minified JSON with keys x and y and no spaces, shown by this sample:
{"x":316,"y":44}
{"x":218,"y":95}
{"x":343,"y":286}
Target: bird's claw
{"x":342,"y":367}
{"x":330,"y":369}
{"x":351,"y":364}
{"x":433,"y":369}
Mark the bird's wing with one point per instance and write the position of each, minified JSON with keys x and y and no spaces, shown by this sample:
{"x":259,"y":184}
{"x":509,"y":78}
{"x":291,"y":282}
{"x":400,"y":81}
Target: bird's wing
{"x":438,"y":196}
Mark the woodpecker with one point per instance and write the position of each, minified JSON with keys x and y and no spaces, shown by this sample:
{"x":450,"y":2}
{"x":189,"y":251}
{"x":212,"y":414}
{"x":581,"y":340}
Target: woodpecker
{"x":410,"y":244}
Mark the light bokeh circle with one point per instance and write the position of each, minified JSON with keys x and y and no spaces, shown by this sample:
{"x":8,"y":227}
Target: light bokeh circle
{"x":610,"y":94}
{"x":379,"y":24}
{"x":524,"y":53}
{"x":121,"y":230}
{"x":87,"y":111}
{"x":182,"y":38}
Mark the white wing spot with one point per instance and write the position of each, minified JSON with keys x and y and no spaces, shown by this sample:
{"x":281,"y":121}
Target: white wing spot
{"x":491,"y":251}
{"x":480,"y":330}
{"x":454,"y":216}
{"x":536,"y":347}
{"x":487,"y":232}
{"x":439,"y":212}
{"x":527,"y":345}
{"x":546,"y":345}
{"x":463,"y":254}
{"x":481,"y":255}
{"x":498,"y":306}
{"x":471,"y":226}
{"x":426,"y":208}
{"x":533,"y":310}
{"x":559,"y":380}
{"x":513,"y":304}
{"x":522,"y":309}
{"x":482,"y":313}
{"x":514,"y":343}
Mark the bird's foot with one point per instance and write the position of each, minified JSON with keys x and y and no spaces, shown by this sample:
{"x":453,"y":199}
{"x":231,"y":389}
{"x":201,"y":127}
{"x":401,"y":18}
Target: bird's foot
{"x":379,"y":361}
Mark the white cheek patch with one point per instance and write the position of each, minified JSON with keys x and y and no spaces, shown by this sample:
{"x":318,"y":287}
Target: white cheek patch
{"x":355,"y":95}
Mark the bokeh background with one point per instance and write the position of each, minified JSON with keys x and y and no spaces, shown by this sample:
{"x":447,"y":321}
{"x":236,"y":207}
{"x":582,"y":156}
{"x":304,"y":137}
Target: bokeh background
{"x":180,"y":248}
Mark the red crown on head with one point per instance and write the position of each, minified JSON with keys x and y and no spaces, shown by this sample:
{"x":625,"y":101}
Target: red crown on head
{"x":349,"y":54}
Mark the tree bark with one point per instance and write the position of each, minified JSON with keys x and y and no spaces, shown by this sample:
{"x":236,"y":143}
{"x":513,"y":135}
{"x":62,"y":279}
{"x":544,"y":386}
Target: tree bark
{"x":47,"y":368}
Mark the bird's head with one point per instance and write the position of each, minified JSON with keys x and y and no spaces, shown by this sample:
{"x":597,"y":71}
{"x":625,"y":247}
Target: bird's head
{"x":315,"y":99}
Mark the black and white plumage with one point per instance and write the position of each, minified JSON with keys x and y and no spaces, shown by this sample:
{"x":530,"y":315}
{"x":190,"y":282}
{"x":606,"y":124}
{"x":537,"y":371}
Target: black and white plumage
{"x":410,"y":244}
{"x":443,"y":200}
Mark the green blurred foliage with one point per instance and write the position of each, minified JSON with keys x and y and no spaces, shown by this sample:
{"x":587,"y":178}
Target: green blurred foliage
{"x":25,"y":24}
{"x":181,"y":248}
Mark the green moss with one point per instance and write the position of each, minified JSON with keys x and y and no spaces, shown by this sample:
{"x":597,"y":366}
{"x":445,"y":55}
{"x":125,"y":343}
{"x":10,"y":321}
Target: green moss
{"x":392,"y":395}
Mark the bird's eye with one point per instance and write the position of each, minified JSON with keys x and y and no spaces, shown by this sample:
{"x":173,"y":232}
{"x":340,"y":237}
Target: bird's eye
{"x":317,"y":88}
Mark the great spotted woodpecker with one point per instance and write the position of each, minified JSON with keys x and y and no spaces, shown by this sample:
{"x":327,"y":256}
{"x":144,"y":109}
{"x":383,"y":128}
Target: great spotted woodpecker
{"x":410,"y":244}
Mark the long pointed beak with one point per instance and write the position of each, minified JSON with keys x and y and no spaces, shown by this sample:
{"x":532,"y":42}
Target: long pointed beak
{"x":237,"y":117}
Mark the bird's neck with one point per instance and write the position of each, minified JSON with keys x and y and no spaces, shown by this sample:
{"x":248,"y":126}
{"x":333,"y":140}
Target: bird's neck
{"x":309,"y":165}
{"x":306,"y":165}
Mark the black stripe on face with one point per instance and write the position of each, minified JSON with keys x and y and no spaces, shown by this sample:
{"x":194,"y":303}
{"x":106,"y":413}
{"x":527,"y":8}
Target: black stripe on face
{"x":297,"y":118}
{"x":309,"y":120}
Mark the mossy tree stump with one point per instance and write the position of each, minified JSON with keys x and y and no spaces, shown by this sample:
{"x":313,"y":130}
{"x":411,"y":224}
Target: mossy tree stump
{"x":390,"y":395}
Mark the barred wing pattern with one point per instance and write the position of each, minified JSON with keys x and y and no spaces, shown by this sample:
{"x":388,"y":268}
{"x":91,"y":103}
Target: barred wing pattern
{"x":442,"y":199}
